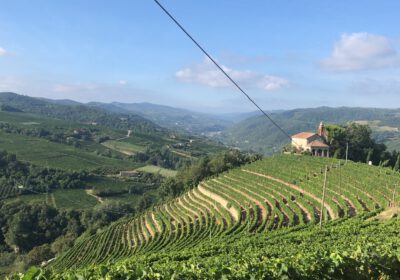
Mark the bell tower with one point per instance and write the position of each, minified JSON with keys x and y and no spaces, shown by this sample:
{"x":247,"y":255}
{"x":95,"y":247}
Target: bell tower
{"x":321,"y":130}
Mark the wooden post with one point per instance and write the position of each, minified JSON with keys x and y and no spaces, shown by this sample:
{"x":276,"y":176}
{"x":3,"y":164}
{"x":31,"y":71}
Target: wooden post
{"x":340,"y":177}
{"x":393,"y":196}
{"x":47,"y":195}
{"x":323,"y":199}
{"x":347,"y":150}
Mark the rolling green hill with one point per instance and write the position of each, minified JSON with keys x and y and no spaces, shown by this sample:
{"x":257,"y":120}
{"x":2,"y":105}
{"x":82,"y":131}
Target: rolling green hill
{"x":176,"y":119}
{"x":74,"y":136}
{"x":264,"y":200}
{"x":70,"y":137}
{"x":77,"y":113}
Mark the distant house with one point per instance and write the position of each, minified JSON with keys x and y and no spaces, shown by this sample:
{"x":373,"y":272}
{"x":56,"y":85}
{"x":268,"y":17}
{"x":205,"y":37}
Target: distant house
{"x":132,"y":173}
{"x":315,"y":143}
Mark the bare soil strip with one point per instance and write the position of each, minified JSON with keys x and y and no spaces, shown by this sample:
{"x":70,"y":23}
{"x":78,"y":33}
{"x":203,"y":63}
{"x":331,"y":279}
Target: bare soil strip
{"x":234,"y":213}
{"x":297,"y":188}
{"x":182,"y":204}
{"x":159,"y":229}
{"x":256,"y":201}
{"x":148,"y":226}
{"x":98,"y":198}
{"x":194,"y":196}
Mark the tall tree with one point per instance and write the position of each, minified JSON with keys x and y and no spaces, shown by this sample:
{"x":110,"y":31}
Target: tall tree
{"x":397,"y":164}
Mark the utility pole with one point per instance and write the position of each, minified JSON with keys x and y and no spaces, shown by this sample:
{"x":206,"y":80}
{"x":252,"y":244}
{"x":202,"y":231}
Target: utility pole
{"x":323,"y":198}
{"x":340,"y":178}
{"x":47,"y":195}
{"x":347,"y":150}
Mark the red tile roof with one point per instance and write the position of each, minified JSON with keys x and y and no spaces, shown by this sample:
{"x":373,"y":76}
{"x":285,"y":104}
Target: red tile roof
{"x":318,"y":144}
{"x":305,"y":135}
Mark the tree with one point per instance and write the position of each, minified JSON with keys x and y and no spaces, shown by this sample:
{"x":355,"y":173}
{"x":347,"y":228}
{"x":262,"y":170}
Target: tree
{"x":34,"y":225}
{"x":369,"y":156}
{"x":397,"y":164}
{"x":361,"y":145}
{"x":39,"y":254}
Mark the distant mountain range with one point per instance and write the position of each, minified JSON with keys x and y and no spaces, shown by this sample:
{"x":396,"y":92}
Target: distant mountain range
{"x":172,"y":118}
{"x":248,"y":131}
{"x":75,"y":112}
{"x":259,"y":134}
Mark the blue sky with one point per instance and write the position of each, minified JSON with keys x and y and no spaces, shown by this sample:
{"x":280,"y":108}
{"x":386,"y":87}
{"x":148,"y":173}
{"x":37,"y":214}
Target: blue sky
{"x":286,"y":54}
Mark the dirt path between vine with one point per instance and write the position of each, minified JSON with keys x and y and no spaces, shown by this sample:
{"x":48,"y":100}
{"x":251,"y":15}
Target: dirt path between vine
{"x":196,"y":197}
{"x":98,"y":198}
{"x":148,"y":226}
{"x":297,"y":188}
{"x":257,"y":202}
{"x":156,"y":222}
{"x":195,"y":213}
{"x":233,"y":212}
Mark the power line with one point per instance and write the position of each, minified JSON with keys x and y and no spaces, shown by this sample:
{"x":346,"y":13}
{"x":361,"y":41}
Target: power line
{"x":221,"y":69}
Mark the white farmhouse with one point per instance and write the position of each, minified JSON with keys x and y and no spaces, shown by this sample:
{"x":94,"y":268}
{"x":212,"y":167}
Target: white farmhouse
{"x":312,"y":142}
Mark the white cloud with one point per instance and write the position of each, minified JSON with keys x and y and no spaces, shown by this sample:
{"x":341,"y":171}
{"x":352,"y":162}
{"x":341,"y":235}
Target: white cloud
{"x":122,"y":82}
{"x":361,"y":51}
{"x":208,"y":75}
{"x":2,"y":51}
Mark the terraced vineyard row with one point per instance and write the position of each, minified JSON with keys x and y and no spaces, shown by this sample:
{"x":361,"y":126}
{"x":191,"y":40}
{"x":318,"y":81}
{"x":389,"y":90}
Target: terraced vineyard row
{"x":267,"y":195}
{"x":7,"y":191}
{"x":355,"y":248}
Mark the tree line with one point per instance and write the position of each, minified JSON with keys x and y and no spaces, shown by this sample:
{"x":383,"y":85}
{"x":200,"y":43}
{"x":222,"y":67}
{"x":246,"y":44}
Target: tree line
{"x":361,"y":147}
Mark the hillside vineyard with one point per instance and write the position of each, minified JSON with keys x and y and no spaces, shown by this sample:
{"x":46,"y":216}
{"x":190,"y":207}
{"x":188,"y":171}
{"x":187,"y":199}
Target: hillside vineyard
{"x":277,"y":192}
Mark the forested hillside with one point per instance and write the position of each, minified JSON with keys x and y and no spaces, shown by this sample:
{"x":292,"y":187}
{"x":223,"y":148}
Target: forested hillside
{"x":258,"y":134}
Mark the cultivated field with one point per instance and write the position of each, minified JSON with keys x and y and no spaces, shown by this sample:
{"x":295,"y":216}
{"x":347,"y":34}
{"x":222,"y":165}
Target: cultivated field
{"x":275,"y":193}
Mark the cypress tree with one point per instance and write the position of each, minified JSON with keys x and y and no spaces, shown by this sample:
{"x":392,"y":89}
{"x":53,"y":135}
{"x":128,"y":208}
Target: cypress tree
{"x":397,"y":164}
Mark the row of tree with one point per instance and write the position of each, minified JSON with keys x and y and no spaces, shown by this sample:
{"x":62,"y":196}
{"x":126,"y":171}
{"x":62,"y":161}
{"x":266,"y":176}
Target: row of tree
{"x":161,"y":156}
{"x":32,"y":233}
{"x":207,"y":166}
{"x":361,"y":147}
{"x":27,"y":177}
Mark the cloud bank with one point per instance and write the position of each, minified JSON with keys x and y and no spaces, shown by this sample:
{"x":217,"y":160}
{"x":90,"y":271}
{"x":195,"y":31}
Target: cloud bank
{"x":361,"y":51}
{"x":207,"y":74}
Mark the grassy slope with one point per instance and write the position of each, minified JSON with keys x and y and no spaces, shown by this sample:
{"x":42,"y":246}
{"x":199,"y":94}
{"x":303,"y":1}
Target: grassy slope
{"x":61,"y":199}
{"x":158,"y":170}
{"x":46,"y":153}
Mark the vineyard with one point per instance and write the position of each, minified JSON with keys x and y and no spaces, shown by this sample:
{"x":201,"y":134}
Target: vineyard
{"x":262,"y":201}
{"x":7,"y":191}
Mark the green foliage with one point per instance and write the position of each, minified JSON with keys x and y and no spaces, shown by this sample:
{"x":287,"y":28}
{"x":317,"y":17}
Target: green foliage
{"x":397,"y":164}
{"x":351,"y":249}
{"x":39,"y":254}
{"x":190,"y":176}
{"x":19,"y":177}
{"x":361,"y":146}
{"x":32,"y":225}
{"x":254,"y":199}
